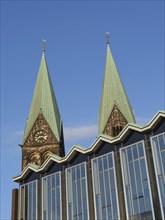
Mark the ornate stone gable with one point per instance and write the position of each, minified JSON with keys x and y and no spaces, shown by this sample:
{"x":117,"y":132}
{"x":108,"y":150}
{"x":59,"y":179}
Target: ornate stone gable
{"x":40,"y":143}
{"x":40,"y":133}
{"x":115,"y":123}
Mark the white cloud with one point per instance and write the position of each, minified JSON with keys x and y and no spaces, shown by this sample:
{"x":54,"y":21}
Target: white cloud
{"x":80,"y":133}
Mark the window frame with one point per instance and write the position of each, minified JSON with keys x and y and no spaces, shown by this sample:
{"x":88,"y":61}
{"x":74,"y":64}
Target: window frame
{"x":86,"y":185}
{"x":147,"y":173}
{"x":115,"y":181}
{"x":46,"y":177}
{"x":20,"y":199}
{"x":155,"y":168}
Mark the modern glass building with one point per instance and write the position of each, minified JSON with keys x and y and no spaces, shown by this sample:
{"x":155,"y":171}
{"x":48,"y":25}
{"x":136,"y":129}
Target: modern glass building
{"x":120,"y":176}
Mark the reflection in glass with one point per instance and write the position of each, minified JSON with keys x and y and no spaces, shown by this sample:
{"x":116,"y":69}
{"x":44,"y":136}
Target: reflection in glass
{"x":104,"y":187}
{"x":158,"y":151}
{"x":52,"y":197}
{"x":28,"y":196}
{"x":76,"y":189}
{"x":136,"y":182}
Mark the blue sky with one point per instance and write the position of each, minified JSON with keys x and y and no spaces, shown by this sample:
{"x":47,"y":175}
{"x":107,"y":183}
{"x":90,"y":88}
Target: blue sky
{"x":75,"y":52}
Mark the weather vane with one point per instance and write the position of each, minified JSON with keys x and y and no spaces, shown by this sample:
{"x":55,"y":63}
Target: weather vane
{"x":107,"y":37}
{"x":43,"y":45}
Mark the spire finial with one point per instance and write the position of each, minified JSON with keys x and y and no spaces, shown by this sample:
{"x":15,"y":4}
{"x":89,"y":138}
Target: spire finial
{"x":43,"y":45}
{"x":107,"y":37}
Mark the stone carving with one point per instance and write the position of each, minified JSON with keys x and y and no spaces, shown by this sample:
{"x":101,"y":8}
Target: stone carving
{"x":115,"y":123}
{"x":40,"y":143}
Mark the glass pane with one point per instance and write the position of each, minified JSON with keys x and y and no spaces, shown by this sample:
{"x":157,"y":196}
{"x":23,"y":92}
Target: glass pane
{"x":77,"y":196}
{"x":57,"y":180}
{"x":143,"y":169}
{"x":135,"y":154}
{"x":29,"y":201}
{"x":78,"y":172}
{"x":132,"y":179}
{"x":82,"y":171}
{"x":138,"y":179}
{"x":98,"y":207}
{"x":84,"y":199}
{"x":73,"y":171}
{"x":105,"y":163}
{"x":105,"y":198}
{"x":162,"y":142}
{"x":136,"y":183}
{"x":107,"y":189}
{"x":58,"y":204}
{"x":163,"y":160}
{"x":110,"y":163}
{"x":51,"y":197}
{"x":129,"y":153}
{"x":100,"y":164}
{"x":141,"y":204}
{"x":158,"y":150}
{"x":102,"y":192}
{"x":140,"y":150}
{"x":147,"y":196}
{"x":34,"y":200}
{"x":53,"y":202}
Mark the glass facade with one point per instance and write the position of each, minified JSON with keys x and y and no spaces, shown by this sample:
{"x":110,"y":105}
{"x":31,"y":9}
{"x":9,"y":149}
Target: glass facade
{"x":101,"y":191}
{"x":51,"y":194}
{"x":136,"y":182}
{"x":28,"y":203}
{"x":76,"y":190}
{"x":158,"y":151}
{"x":105,"y":188}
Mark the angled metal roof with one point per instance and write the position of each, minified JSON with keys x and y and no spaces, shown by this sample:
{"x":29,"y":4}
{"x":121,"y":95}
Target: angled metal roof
{"x":44,"y":101}
{"x":113,"y":93}
{"x":78,"y":149}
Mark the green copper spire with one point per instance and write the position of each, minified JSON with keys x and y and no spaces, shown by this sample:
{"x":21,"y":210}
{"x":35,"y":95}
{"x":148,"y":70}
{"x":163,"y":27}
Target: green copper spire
{"x":44,"y":101}
{"x":113,"y":94}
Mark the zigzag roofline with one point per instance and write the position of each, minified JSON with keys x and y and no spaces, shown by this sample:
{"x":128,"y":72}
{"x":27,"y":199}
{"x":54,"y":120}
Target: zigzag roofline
{"x":79,"y":149}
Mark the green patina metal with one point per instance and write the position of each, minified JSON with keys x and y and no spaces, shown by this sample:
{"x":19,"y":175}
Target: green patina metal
{"x":113,"y":93}
{"x":44,"y":101}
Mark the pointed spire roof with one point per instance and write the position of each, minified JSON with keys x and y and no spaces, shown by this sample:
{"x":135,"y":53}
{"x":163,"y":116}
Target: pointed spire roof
{"x":113,"y":93}
{"x":44,"y":101}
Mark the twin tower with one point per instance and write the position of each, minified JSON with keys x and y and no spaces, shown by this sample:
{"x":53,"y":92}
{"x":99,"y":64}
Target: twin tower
{"x":43,"y":133}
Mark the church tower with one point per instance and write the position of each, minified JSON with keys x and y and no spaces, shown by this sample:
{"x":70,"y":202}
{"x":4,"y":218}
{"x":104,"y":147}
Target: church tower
{"x":43,"y":133}
{"x":115,"y":109}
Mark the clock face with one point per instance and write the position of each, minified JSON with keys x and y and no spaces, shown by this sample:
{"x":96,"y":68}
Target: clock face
{"x":40,"y":136}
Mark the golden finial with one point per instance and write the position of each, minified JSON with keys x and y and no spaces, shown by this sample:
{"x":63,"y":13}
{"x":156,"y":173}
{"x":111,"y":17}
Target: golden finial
{"x":107,"y":37}
{"x":43,"y":45}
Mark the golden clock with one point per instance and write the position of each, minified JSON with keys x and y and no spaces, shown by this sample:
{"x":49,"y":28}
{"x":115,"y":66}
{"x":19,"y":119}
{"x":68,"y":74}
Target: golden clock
{"x":40,"y":136}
